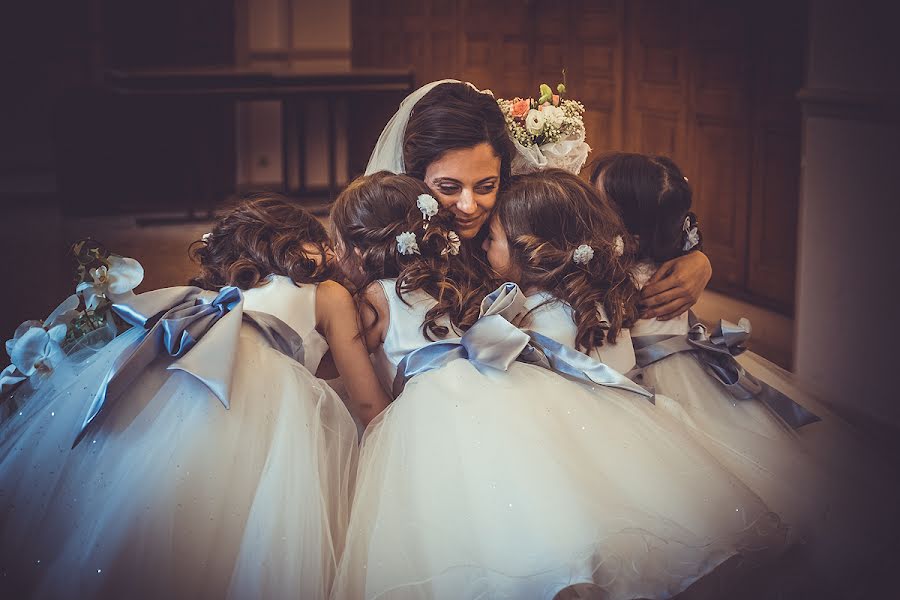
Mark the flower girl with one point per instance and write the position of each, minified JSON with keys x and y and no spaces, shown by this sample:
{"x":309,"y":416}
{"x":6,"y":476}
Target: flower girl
{"x":807,"y":465}
{"x":493,"y":475}
{"x":208,"y":460}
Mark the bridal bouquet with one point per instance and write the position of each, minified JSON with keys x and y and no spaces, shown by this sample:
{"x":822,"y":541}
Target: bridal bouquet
{"x":547,"y":131}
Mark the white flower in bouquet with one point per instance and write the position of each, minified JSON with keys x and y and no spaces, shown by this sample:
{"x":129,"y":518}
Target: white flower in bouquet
{"x":554,"y":115}
{"x":122,"y":276}
{"x":534,"y":122}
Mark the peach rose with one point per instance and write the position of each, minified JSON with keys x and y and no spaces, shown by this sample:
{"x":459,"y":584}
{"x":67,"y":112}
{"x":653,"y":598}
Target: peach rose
{"x":555,"y":99}
{"x":520,"y":108}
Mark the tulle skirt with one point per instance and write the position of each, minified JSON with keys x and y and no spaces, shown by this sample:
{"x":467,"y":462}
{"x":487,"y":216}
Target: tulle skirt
{"x":517,"y":484}
{"x":171,"y":495}
{"x":836,"y":495}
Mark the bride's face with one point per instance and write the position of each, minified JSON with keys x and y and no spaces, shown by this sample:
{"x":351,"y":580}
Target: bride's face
{"x":466,"y":181}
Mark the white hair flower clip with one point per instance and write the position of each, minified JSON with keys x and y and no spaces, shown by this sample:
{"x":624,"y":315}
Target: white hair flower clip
{"x":691,"y":235}
{"x":206,"y":237}
{"x":406,"y":243}
{"x":428,"y":205}
{"x":453,"y":244}
{"x":619,"y":246}
{"x":583,"y":254}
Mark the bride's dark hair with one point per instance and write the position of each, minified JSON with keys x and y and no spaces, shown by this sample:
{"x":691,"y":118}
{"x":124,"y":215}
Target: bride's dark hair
{"x":546,"y":216}
{"x":264,"y":234}
{"x":453,"y":116}
{"x":366,"y":219}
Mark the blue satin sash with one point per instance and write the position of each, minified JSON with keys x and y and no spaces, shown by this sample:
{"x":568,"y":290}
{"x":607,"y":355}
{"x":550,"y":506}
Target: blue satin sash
{"x":197,"y":327}
{"x":716,"y":353}
{"x":493,"y":341}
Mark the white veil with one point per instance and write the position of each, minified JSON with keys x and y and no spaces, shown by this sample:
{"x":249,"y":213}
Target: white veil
{"x":388,"y":152}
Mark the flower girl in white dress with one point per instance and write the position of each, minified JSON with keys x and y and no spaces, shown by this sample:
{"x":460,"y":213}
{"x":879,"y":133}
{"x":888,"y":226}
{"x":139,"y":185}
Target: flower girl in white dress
{"x":210,"y":461}
{"x":490,"y":477}
{"x":835,"y":495}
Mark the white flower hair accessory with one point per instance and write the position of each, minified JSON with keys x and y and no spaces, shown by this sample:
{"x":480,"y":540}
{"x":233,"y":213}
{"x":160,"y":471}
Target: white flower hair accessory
{"x":406,"y":243}
{"x":583,"y":254}
{"x":691,"y":235}
{"x":619,"y":246}
{"x":429,"y":207}
{"x":206,"y":237}
{"x":453,"y":244}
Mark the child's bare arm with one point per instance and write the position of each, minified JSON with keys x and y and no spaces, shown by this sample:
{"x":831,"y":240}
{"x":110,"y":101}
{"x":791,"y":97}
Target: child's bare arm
{"x":337,"y":320}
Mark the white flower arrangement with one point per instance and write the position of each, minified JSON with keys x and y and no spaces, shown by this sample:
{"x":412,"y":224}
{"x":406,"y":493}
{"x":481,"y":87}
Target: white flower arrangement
{"x":453,"y":244}
{"x":428,"y":205}
{"x":547,"y":132}
{"x":619,"y":246}
{"x":582,"y":254}
{"x":37,"y":347}
{"x":406,"y":243}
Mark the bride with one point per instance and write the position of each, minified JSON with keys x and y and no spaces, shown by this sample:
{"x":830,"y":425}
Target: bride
{"x":454,"y":138}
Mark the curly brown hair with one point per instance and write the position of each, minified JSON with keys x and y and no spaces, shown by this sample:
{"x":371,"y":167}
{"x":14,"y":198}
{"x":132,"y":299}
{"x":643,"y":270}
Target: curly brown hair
{"x":546,"y":216}
{"x":264,"y":234}
{"x":365,"y":221}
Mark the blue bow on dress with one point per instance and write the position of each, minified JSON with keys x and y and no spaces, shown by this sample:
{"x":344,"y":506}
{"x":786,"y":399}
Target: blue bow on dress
{"x":716,"y":352}
{"x":493,"y":341}
{"x":199,"y":328}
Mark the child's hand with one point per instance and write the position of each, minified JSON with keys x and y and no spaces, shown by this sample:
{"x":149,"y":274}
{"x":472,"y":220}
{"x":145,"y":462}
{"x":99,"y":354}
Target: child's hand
{"x":676,"y":286}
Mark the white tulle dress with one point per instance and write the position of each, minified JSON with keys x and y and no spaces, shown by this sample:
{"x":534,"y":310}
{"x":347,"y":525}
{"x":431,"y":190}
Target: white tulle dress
{"x":480,"y":483}
{"x":171,"y":495}
{"x":837,"y":497}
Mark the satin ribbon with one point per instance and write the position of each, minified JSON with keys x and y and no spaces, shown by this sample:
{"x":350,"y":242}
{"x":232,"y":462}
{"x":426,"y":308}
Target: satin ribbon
{"x":493,"y":341}
{"x":197,"y":327}
{"x":716,"y":352}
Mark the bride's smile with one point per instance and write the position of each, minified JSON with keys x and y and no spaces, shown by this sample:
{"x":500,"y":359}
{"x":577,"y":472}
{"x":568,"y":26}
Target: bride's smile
{"x":466,"y":181}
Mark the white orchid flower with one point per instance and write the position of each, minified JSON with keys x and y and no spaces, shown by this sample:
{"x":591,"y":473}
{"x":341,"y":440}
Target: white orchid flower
{"x":122,"y":276}
{"x":65,"y":313}
{"x":35,"y":349}
{"x":619,"y":246}
{"x":9,"y":378}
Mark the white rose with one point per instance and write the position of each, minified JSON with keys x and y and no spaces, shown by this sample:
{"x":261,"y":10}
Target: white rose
{"x":554,"y":115}
{"x":534,"y":122}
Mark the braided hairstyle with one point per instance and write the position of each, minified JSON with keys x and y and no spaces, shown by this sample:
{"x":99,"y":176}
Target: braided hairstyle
{"x":547,"y":216}
{"x":263,"y":234}
{"x":365,"y":221}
